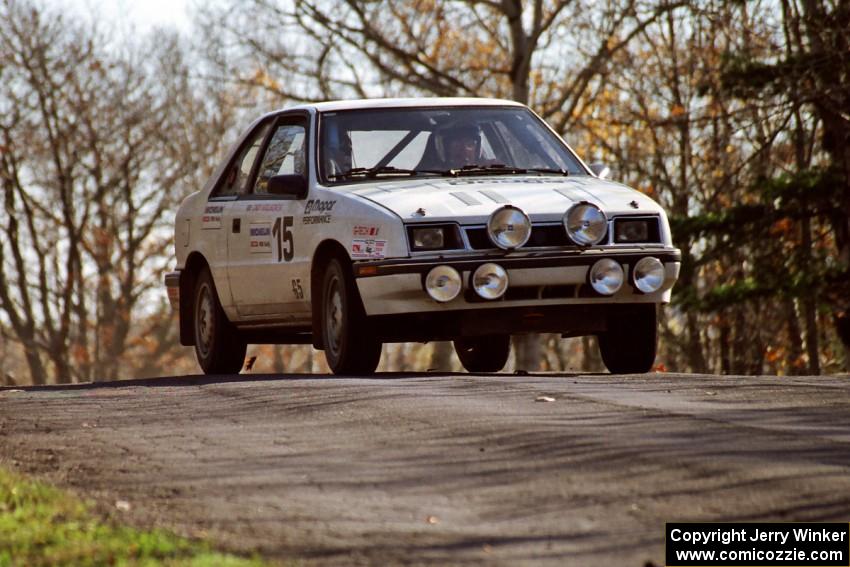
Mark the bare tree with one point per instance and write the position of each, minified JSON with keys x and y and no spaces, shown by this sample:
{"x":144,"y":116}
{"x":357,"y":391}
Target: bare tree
{"x":100,"y":138}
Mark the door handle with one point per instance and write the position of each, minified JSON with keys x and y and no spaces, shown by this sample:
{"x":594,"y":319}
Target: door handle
{"x":237,"y":225}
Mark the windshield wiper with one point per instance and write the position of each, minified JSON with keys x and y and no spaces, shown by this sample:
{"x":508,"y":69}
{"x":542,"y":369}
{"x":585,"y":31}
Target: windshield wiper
{"x":371,"y":172}
{"x":500,"y":169}
{"x":477,"y":169}
{"x":472,"y":169}
{"x":563,"y":172}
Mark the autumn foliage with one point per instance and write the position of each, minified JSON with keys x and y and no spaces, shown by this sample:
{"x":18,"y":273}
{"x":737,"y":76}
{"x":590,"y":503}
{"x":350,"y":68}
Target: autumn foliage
{"x":733,"y":115}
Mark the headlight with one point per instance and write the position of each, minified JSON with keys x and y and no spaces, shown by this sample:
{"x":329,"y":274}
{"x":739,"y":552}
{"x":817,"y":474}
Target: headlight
{"x":586,"y":224}
{"x":648,"y":274}
{"x":434,"y":237}
{"x":490,"y":281}
{"x":629,"y":230}
{"x":430,"y":238}
{"x":443,"y":283}
{"x":606,"y":276}
{"x":508,"y":227}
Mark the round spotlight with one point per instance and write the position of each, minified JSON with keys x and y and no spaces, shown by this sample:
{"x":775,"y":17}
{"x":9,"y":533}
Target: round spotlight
{"x":443,"y":283}
{"x":508,"y":227}
{"x":648,"y":274}
{"x":586,"y":224}
{"x":490,"y":281}
{"x":606,"y":276}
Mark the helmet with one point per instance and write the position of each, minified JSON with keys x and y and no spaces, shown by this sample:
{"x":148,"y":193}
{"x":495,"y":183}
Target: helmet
{"x":454,"y":133}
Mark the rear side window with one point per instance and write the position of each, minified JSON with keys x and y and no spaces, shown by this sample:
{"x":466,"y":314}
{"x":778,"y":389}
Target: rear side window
{"x":236,"y":177}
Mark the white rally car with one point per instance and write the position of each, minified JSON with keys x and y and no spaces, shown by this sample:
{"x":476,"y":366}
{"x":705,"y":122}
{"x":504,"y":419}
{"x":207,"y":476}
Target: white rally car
{"x":349,"y":224}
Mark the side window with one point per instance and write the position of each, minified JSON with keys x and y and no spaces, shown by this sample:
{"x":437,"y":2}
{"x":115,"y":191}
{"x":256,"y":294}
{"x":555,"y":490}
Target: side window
{"x":235,"y":179}
{"x":284,"y":156}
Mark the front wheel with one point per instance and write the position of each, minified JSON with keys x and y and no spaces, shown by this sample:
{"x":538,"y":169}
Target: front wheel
{"x":350,"y":347}
{"x":629,"y":344}
{"x":484,"y":354}
{"x":217,"y":344}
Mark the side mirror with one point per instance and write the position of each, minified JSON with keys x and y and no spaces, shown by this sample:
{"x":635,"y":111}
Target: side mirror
{"x":292,"y":184}
{"x":600,"y":170}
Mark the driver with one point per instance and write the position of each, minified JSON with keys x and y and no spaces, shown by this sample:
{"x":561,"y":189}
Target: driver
{"x":460,"y":145}
{"x":338,"y":151}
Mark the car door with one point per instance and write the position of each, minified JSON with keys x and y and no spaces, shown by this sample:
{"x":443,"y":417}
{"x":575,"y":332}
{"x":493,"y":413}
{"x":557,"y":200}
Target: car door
{"x":216,"y":219}
{"x":266,"y":280}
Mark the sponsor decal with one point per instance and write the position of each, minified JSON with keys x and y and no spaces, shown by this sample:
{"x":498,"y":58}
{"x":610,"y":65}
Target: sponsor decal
{"x":318,"y":206}
{"x":212,"y":216}
{"x":260,"y":246}
{"x":368,"y":248}
{"x":319,"y":211}
{"x":259,"y":240}
{"x":366,"y":230}
{"x":265,"y":208}
{"x":317,"y":219}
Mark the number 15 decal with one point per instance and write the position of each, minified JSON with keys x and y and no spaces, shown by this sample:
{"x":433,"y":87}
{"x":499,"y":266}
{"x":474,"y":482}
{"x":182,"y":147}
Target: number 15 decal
{"x":284,"y":237}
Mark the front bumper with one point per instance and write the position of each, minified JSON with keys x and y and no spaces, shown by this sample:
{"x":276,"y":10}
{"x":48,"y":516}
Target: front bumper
{"x":396,"y":286}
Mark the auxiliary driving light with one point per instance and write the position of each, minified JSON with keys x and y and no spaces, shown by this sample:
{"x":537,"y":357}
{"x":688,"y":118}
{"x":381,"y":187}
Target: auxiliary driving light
{"x":508,"y":227}
{"x":648,"y":274}
{"x":606,"y":276}
{"x":586,"y":224}
{"x":443,"y":283}
{"x":490,"y":281}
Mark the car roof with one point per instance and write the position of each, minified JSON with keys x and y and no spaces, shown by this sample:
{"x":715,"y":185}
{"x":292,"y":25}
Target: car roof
{"x":371,"y":103}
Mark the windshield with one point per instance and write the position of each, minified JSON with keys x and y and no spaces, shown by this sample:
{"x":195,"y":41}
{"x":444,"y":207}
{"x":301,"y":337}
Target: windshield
{"x":357,"y":144}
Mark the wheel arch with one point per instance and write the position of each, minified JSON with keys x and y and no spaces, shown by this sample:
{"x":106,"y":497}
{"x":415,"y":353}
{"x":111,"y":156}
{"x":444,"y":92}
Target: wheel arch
{"x":325,"y":251}
{"x":188,"y":278}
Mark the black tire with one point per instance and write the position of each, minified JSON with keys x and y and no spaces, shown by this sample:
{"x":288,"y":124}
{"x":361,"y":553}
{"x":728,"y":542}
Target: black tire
{"x":217,"y":344}
{"x":484,"y":354}
{"x":628,"y":346}
{"x":350,"y":346}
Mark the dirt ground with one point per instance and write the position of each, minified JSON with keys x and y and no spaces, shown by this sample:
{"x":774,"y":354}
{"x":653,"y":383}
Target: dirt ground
{"x":432,"y":469}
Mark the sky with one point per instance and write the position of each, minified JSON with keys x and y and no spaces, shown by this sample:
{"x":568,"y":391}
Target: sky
{"x":140,"y":14}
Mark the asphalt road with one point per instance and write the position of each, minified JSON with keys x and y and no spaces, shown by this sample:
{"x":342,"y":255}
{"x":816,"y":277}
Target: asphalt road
{"x":443,"y":469}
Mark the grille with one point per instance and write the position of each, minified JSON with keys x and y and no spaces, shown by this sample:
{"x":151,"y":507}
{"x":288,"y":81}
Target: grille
{"x":541,"y":235}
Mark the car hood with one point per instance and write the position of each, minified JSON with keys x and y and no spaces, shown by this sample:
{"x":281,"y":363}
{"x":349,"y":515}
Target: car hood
{"x":473,"y":199}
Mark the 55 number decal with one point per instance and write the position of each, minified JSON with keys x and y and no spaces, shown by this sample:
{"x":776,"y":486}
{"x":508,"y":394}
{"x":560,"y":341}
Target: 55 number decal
{"x":284,"y":236}
{"x":297,"y":290}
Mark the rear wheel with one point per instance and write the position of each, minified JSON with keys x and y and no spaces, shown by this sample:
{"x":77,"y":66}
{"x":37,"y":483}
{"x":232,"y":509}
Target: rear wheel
{"x":350,"y":347}
{"x":628,"y":346}
{"x":484,"y":354}
{"x":217,"y":344}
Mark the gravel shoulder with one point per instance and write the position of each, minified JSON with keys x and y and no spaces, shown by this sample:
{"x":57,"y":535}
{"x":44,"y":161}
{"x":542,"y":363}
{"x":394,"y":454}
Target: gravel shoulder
{"x":433,"y":469}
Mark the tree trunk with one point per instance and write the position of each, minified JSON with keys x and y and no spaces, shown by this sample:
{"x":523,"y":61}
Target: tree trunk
{"x":809,"y":305}
{"x":795,"y":335}
{"x":278,"y":364}
{"x":591,"y":359}
{"x":553,"y":353}
{"x":527,"y":352}
{"x":725,"y":345}
{"x":694,"y":351}
{"x":441,"y":356}
{"x":827,"y":35}
{"x":38,"y":374}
